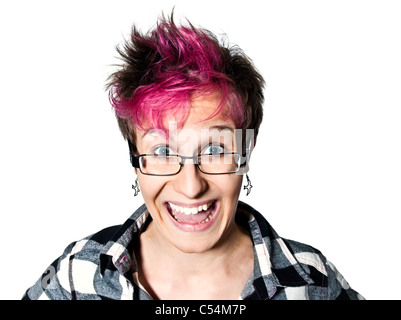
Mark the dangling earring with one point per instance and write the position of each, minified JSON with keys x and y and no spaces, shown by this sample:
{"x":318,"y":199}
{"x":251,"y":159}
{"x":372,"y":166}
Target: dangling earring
{"x":136,"y":187}
{"x":249,"y":186}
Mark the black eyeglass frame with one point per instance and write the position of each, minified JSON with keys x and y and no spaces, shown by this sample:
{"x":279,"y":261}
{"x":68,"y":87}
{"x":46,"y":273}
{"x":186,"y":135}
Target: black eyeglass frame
{"x":135,"y":162}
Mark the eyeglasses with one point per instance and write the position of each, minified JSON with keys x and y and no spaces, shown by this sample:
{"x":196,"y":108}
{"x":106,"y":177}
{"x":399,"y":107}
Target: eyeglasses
{"x":168,"y":165}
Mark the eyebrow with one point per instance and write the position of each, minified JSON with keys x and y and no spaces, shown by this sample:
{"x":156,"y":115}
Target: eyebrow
{"x":151,"y":131}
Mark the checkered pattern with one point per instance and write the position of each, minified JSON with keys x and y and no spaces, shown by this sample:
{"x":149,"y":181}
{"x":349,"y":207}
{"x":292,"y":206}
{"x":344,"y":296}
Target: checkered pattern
{"x":102,"y":266}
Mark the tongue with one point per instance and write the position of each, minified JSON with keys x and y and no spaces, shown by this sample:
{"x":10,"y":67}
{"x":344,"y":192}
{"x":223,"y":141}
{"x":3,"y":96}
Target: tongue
{"x":192,"y":218}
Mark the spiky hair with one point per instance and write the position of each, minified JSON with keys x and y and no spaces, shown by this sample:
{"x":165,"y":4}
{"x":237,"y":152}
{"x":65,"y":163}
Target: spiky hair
{"x":165,"y":68}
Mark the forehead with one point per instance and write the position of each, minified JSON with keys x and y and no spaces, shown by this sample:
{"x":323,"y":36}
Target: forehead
{"x":204,"y":107}
{"x":200,"y":120}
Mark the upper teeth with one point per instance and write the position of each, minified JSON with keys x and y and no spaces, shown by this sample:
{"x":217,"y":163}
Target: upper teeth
{"x":193,"y":210}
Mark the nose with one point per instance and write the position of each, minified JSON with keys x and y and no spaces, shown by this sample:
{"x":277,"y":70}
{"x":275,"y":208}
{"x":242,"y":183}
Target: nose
{"x":189,"y":181}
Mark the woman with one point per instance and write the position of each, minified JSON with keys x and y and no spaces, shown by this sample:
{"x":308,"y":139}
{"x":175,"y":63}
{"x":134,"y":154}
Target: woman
{"x":190,"y":109}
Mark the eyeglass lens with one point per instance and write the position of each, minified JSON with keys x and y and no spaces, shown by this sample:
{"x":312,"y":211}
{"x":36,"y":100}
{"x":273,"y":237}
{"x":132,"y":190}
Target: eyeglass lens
{"x":168,"y":165}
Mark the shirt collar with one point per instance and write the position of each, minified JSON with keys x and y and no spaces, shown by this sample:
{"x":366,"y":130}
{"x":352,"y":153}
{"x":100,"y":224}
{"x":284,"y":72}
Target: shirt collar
{"x":274,"y":263}
{"x":117,"y":253}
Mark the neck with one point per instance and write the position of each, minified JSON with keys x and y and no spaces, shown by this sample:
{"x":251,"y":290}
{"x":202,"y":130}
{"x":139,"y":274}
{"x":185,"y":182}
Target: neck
{"x":163,"y":268}
{"x":229,"y":250}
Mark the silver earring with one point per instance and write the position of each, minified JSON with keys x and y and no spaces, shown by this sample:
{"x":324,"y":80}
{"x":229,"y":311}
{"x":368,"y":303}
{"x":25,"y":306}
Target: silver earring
{"x":136,"y":187}
{"x":249,"y":186}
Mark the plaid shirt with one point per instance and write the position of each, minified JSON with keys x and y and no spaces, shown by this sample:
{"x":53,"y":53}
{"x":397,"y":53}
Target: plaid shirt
{"x":102,"y":266}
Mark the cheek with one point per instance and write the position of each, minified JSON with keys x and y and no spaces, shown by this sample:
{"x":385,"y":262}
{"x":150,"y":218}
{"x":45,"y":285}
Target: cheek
{"x":150,"y":188}
{"x":229,"y":185}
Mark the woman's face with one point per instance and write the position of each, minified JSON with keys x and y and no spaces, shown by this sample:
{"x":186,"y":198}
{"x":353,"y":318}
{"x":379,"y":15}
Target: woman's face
{"x":191,"y":210}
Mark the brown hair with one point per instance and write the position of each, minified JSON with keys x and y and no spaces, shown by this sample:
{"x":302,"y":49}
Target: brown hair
{"x":162,"y":49}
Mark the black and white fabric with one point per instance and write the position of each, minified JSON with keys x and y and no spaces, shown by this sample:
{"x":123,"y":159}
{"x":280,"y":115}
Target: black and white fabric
{"x":103,"y":266}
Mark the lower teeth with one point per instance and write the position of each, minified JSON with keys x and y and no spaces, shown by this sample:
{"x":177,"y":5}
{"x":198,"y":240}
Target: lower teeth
{"x":207,"y":219}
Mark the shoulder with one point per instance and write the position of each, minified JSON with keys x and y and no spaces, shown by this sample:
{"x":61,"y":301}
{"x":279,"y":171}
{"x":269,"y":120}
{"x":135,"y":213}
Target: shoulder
{"x":328,"y":283}
{"x":91,"y":268}
{"x":83,"y":256}
{"x":300,"y":268}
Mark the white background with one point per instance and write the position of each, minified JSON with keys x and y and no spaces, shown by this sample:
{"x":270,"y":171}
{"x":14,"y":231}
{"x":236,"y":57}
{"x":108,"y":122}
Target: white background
{"x":326,"y":168}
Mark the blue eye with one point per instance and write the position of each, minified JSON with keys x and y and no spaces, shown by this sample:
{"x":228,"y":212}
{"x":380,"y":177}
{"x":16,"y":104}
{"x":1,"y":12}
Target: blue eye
{"x":214,"y":149}
{"x":162,"y":151}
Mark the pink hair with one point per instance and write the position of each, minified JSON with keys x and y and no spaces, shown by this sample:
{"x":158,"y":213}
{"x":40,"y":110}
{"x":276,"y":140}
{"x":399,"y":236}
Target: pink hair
{"x":181,"y":63}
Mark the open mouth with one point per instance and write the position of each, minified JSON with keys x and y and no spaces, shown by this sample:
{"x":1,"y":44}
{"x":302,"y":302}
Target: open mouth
{"x":192,"y":215}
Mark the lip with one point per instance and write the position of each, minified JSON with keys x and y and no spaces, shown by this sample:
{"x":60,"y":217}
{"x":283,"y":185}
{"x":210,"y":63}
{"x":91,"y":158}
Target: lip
{"x":187,"y":227}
